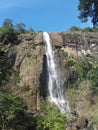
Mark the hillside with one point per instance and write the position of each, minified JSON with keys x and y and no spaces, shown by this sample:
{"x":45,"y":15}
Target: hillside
{"x":23,"y":73}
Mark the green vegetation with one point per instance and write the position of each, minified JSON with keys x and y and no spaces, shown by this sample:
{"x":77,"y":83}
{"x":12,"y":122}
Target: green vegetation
{"x":92,"y":75}
{"x":82,"y":87}
{"x":2,"y":54}
{"x":7,"y":73}
{"x":12,"y":113}
{"x":51,"y":119}
{"x":88,"y":9}
{"x":3,"y":58}
{"x":8,"y":35}
{"x":20,"y":27}
{"x":9,"y":32}
{"x":75,"y":28}
{"x":8,"y":23}
{"x":87,"y":29}
{"x":83,"y":68}
{"x":9,"y":80}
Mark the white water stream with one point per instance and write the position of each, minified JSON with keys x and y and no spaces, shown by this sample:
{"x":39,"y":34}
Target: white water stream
{"x":55,"y":79}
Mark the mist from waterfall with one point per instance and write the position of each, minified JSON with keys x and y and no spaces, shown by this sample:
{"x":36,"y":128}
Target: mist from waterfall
{"x":55,"y":77}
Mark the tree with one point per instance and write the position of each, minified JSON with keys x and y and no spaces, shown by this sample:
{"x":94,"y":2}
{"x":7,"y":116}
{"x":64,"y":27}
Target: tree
{"x":13,"y":116}
{"x":50,"y":119}
{"x":31,"y":29}
{"x":20,"y":27}
{"x":8,"y":23}
{"x":8,"y":35}
{"x":88,"y":9}
{"x":74,"y":28}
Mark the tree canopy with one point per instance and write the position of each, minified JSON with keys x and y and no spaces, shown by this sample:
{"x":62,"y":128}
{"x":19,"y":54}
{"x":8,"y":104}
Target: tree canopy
{"x":8,"y":23}
{"x":88,"y":9}
{"x":13,"y":116}
{"x":20,"y":27}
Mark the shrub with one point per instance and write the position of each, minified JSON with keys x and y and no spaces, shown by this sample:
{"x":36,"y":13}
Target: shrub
{"x":88,"y":29}
{"x":8,"y":35}
{"x":75,"y":28}
{"x":3,"y":58}
{"x":51,"y":119}
{"x":12,"y":113}
{"x":93,"y":77}
{"x":82,"y":67}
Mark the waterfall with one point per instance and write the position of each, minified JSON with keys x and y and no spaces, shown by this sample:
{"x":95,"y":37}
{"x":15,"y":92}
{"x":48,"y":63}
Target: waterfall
{"x":55,"y":78}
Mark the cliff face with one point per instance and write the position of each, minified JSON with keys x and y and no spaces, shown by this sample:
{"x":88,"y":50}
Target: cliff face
{"x":74,"y":43}
{"x":23,"y":72}
{"x":77,"y":44}
{"x":28,"y":58}
{"x":29,"y":61}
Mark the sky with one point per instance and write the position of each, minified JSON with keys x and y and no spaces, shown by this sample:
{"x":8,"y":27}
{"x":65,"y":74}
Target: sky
{"x":42,"y":15}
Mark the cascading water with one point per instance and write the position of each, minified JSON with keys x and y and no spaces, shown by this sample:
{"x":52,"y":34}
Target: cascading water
{"x":55,"y":78}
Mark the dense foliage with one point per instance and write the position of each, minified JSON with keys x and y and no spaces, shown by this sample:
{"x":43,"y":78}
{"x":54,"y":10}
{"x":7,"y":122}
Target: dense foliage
{"x":3,"y":59}
{"x":83,"y":68}
{"x":8,"y":23}
{"x":8,"y":35}
{"x":88,"y":9}
{"x":12,"y":113}
{"x":20,"y":27}
{"x":93,"y":77}
{"x":13,"y":116}
{"x":51,"y":119}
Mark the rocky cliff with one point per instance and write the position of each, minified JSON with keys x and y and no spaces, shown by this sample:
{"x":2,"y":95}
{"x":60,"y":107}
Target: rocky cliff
{"x":27,"y":61}
{"x":28,"y":57}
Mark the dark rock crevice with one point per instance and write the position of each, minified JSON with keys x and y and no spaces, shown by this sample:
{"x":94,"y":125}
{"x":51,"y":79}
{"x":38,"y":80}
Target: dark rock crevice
{"x":44,"y":79}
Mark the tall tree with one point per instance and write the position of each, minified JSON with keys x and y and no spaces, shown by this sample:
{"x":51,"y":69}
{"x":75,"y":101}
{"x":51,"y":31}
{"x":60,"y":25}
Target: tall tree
{"x":20,"y":27}
{"x":8,"y":23}
{"x":88,"y":9}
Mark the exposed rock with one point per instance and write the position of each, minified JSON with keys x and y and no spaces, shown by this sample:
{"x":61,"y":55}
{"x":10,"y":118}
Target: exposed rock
{"x":78,"y":43}
{"x":81,"y":123}
{"x":29,"y":61}
{"x":38,"y":38}
{"x":27,"y":57}
{"x":56,"y":39}
{"x":11,"y":56}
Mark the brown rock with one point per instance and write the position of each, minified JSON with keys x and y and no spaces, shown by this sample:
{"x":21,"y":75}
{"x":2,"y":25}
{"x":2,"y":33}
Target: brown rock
{"x":81,"y":123}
